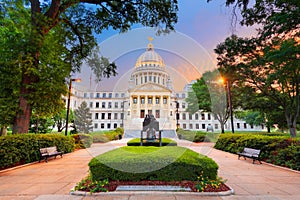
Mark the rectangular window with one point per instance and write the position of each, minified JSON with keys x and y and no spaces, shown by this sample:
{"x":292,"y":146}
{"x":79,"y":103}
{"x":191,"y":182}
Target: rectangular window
{"x":102,"y":125}
{"x":95,"y":125}
{"x":203,"y":126}
{"x":135,"y":100}
{"x":197,"y":126}
{"x":245,"y":125}
{"x":115,"y":125}
{"x":117,"y":95}
{"x":150,"y":78}
{"x":149,"y":100}
{"x":85,"y":95}
{"x":203,"y":116}
{"x":216,"y":126}
{"x":142,"y":114}
{"x":150,"y":112}
{"x":102,"y":115}
{"x":183,"y":116}
{"x":110,"y":95}
{"x":122,"y":115}
{"x":108,"y":126}
{"x":143,"y":100}
{"x":191,"y":126}
{"x":157,"y":100}
{"x":109,"y":104}
{"x":196,"y":116}
{"x":116,"y":116}
{"x":238,"y":125}
{"x":208,"y":116}
{"x":165,"y":100}
{"x":103,"y":104}
{"x":116,"y":105}
{"x":190,"y":116}
{"x":91,"y":95}
{"x":97,"y":104}
{"x":145,"y":79}
{"x":109,"y":116}
{"x":97,"y":95}
{"x":104,"y":95}
{"x":154,"y":79}
{"x":91,"y":104}
{"x":184,"y":126}
{"x":157,"y":114}
{"x":183,"y":105}
{"x":96,"y":115}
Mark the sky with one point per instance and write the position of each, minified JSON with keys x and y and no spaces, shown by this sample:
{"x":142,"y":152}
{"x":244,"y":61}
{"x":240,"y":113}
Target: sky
{"x":187,"y":52}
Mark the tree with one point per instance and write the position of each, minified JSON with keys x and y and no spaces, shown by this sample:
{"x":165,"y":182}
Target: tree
{"x":208,"y":94}
{"x":68,"y":25}
{"x":83,"y":118}
{"x":270,"y":68}
{"x":60,"y":119}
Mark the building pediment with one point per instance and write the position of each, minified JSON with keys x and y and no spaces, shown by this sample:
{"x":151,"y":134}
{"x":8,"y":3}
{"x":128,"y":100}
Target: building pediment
{"x":150,"y":87}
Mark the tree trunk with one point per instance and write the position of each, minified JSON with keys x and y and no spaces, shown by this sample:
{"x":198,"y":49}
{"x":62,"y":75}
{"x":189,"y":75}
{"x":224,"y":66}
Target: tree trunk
{"x":291,"y":125}
{"x":22,"y":119}
{"x":3,"y":131}
{"x":268,"y":129}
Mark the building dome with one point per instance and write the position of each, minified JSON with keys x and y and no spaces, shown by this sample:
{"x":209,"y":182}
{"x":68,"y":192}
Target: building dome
{"x":150,"y":58}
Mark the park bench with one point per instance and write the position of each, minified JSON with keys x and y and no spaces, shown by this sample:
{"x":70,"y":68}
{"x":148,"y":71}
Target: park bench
{"x":49,"y":152}
{"x":250,"y":153}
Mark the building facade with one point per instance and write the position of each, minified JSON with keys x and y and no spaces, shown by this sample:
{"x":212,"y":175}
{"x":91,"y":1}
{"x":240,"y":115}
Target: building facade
{"x":150,"y":91}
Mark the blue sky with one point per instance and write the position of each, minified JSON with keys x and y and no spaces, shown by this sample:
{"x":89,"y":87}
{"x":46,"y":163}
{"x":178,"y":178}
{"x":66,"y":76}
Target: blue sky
{"x":187,"y":53}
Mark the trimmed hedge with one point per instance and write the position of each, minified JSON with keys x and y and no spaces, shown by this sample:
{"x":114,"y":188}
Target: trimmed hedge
{"x":24,"y":148}
{"x":168,"y":163}
{"x":197,"y":136}
{"x":279,"y":150}
{"x":165,"y":142}
{"x":106,"y":136}
{"x":83,"y":141}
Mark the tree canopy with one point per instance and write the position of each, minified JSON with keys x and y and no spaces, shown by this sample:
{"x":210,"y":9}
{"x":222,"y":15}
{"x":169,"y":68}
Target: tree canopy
{"x":267,"y":65}
{"x":42,"y":42}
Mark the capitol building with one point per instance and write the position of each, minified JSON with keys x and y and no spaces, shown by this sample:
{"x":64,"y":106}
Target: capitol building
{"x":149,"y":91}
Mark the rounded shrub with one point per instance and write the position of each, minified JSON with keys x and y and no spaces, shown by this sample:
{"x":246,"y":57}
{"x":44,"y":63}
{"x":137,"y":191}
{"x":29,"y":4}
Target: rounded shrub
{"x":165,"y":142}
{"x":170,"y":163}
{"x":82,"y":140}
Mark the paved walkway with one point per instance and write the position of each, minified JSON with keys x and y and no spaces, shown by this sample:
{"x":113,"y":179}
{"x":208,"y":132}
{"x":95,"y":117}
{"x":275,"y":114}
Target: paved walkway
{"x":53,"y":180}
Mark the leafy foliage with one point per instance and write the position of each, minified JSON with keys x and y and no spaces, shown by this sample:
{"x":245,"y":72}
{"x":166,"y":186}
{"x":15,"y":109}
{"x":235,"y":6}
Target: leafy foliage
{"x":82,"y":141}
{"x":279,"y":150}
{"x":83,"y":118}
{"x":165,"y":142}
{"x":180,"y":164}
{"x":208,"y":94}
{"x":42,"y":42}
{"x":20,"y":149}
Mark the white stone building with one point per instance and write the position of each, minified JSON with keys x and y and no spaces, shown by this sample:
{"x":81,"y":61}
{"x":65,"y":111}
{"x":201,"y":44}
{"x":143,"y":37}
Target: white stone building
{"x":150,"y":92}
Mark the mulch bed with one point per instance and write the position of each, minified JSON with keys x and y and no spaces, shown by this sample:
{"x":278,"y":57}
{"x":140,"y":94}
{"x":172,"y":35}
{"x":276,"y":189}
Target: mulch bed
{"x":114,"y":184}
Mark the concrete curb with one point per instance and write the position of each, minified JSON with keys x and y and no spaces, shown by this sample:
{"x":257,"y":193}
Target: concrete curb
{"x":81,"y":193}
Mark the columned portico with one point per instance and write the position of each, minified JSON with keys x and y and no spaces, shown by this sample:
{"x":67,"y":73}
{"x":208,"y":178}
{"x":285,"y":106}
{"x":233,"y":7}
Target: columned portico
{"x":151,"y":92}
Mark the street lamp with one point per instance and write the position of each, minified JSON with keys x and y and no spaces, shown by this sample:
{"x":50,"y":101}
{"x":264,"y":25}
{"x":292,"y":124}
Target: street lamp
{"x":229,"y":102}
{"x":177,"y":114}
{"x":69,"y":98}
{"x":123,"y":103}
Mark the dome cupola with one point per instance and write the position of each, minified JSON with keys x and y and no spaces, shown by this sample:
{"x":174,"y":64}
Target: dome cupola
{"x":150,"y":58}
